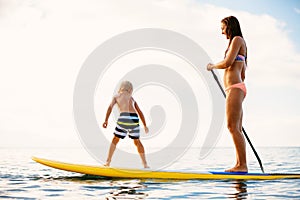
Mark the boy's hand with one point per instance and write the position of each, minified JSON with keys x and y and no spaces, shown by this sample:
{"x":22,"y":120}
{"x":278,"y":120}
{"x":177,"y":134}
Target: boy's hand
{"x":105,"y":124}
{"x":146,"y":129}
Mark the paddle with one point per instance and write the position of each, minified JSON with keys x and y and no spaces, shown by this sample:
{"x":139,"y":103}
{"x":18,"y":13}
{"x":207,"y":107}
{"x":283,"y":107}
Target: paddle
{"x":252,"y":147}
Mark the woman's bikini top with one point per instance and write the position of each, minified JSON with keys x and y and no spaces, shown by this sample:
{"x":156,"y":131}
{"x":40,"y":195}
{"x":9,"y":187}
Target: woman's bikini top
{"x":240,"y":58}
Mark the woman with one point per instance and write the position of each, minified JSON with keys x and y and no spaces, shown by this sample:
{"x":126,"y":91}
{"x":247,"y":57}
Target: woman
{"x":234,"y":64}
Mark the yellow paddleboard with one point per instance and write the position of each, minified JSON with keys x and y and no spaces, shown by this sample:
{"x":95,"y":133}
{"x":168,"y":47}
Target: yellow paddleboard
{"x":180,"y":175}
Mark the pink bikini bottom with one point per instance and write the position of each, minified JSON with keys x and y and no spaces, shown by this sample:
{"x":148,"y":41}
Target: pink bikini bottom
{"x":238,"y":85}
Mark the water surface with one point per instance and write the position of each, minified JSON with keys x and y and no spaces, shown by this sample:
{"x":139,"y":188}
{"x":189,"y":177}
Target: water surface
{"x":22,"y":178}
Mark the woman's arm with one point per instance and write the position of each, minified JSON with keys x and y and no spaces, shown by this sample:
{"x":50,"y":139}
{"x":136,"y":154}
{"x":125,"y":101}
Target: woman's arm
{"x":231,"y":55}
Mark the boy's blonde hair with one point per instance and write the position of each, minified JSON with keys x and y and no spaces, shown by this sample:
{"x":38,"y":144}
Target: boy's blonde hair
{"x":126,"y":86}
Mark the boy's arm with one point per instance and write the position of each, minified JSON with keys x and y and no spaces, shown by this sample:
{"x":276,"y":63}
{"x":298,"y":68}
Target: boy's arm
{"x":140,"y":113}
{"x":110,"y":107}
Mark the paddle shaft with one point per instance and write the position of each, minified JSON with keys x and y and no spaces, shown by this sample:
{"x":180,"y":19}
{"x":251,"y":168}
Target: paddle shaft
{"x":244,"y":132}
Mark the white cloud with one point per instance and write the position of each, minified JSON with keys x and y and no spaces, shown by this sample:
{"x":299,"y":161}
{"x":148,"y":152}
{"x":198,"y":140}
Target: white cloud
{"x":44,"y":43}
{"x":297,"y":10}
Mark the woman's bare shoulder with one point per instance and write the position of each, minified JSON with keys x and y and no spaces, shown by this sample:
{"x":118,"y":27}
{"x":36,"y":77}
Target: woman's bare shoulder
{"x":238,"y":40}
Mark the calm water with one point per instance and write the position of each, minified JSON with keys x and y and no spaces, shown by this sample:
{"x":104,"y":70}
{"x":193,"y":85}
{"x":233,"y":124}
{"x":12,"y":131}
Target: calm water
{"x":22,"y":178}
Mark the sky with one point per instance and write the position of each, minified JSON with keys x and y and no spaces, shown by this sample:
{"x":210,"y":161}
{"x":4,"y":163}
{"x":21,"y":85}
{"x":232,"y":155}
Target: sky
{"x":286,"y":12}
{"x":43,"y":45}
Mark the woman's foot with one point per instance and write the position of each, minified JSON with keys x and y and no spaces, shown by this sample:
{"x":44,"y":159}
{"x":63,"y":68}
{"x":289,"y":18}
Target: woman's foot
{"x":237,"y":169}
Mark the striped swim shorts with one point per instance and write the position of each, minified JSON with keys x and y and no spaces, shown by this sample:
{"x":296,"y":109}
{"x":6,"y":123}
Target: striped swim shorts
{"x":128,"y":123}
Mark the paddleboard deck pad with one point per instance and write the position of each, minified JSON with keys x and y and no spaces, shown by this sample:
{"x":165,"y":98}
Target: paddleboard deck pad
{"x":110,"y":172}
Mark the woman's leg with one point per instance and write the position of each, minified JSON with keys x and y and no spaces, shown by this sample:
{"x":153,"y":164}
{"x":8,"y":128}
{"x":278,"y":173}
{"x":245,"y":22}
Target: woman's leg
{"x":234,"y":115}
{"x":112,"y":149}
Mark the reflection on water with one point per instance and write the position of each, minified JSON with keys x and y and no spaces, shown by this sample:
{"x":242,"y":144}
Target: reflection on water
{"x":118,"y":188}
{"x":241,"y":190}
{"x":141,"y":189}
{"x":127,"y":190}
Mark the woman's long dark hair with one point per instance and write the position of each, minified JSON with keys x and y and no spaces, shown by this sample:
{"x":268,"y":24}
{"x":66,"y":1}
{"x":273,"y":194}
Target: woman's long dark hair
{"x":232,"y":29}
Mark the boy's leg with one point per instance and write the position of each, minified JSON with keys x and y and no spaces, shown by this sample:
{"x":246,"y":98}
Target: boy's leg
{"x":112,"y":149}
{"x":141,"y":151}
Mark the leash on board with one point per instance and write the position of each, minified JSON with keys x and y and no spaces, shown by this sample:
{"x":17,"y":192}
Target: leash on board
{"x":244,"y":132}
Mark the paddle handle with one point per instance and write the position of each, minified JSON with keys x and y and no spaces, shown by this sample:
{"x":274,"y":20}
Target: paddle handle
{"x":244,"y":132}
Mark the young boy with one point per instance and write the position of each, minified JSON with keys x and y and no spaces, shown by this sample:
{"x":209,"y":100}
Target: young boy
{"x":128,"y":121}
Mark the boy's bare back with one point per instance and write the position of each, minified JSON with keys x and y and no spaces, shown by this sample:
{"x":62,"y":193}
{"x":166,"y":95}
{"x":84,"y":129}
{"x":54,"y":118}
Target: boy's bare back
{"x":125,"y":102}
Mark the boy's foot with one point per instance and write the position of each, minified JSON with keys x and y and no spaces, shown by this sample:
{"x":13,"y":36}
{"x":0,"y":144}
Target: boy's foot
{"x":146,"y":166}
{"x":106,"y":165}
